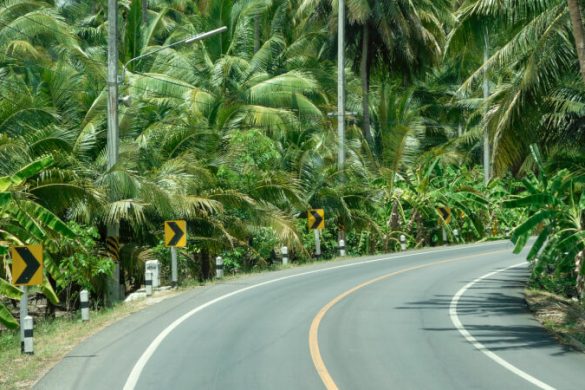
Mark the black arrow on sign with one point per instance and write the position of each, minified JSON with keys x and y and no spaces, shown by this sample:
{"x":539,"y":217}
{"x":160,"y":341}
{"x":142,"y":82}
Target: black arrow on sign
{"x":318,"y":219}
{"x":32,"y":265}
{"x":178,"y":233}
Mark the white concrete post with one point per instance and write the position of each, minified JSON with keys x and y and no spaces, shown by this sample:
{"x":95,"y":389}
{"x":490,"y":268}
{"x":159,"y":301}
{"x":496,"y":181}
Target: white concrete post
{"x":84,"y":305}
{"x":341,"y":248}
{"x":317,"y":243}
{"x":445,"y":239}
{"x":219,"y":267}
{"x":403,"y":242}
{"x":284,"y":252}
{"x":28,"y":335}
{"x":456,"y":234}
{"x":507,"y":232}
{"x":148,"y":283}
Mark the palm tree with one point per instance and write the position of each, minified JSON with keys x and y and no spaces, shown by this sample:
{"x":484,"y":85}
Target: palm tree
{"x":534,"y":51}
{"x":401,"y":37}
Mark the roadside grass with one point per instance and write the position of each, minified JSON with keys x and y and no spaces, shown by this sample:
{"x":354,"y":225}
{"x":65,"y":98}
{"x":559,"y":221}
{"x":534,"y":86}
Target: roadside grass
{"x":562,"y":317}
{"x":54,"y":338}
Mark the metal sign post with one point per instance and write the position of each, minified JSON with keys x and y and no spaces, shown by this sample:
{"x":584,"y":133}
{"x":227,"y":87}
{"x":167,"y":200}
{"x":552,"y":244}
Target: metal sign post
{"x":317,"y":243}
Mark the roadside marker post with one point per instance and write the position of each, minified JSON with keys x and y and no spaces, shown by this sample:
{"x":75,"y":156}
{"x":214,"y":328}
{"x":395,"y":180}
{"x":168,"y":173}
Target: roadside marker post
{"x":219,"y":267}
{"x":148,"y":283}
{"x":402,"y":242}
{"x":84,"y":305}
{"x":341,"y":248}
{"x":175,"y":236}
{"x":284,"y":252}
{"x":28,"y":336}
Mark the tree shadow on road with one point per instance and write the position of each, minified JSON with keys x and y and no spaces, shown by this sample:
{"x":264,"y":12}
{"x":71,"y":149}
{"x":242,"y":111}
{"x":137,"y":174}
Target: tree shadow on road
{"x":494,"y":312}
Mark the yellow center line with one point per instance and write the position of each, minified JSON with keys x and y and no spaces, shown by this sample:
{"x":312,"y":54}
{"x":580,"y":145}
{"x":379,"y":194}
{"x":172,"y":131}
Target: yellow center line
{"x":314,"y":330}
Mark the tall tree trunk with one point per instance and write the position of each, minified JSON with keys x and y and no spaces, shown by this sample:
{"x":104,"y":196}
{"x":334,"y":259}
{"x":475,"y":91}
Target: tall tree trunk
{"x":578,"y":33}
{"x":365,"y":76}
{"x":256,"y":33}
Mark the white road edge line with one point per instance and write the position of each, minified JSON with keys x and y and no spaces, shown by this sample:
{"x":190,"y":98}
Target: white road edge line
{"x":479,"y":346}
{"x":147,"y":354}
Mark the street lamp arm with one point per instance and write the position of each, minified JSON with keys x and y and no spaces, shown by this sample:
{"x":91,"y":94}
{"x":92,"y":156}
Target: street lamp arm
{"x":192,"y":39}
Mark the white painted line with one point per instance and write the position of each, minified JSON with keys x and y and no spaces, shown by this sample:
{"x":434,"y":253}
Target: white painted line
{"x":479,"y":346}
{"x":147,"y":354}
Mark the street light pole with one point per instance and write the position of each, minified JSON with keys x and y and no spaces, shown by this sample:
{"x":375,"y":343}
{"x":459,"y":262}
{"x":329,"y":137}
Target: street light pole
{"x":341,"y":102}
{"x":114,"y":290}
{"x":341,"y":88}
{"x":486,"y":93}
{"x":113,"y":228}
{"x":191,"y":39}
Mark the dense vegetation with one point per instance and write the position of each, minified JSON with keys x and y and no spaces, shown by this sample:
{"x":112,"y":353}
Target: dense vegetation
{"x":234,"y":133}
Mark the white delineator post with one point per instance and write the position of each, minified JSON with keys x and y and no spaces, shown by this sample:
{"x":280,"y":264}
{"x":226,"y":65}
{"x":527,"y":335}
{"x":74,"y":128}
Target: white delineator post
{"x":84,"y":305}
{"x":341,"y":248}
{"x":284,"y":252}
{"x":174,"y":277}
{"x":28,"y":335}
{"x":402,"y":242}
{"x":317,"y":243}
{"x":219,"y":267}
{"x":456,"y":234}
{"x":148,"y":283}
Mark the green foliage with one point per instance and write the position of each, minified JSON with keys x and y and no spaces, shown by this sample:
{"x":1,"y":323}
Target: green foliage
{"x":78,"y":262}
{"x":554,"y":205}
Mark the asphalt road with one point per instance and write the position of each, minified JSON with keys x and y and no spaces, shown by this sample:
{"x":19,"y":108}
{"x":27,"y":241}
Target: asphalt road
{"x":448,"y":318}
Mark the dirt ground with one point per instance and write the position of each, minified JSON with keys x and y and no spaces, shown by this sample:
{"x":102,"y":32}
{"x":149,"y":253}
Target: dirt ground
{"x":563,"y":318}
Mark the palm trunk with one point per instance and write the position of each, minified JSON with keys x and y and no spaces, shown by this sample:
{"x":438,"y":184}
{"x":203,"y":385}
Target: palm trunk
{"x":578,"y":33}
{"x":365,"y":76}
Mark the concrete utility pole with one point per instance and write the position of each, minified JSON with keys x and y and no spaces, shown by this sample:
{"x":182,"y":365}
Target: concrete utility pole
{"x":486,"y":94}
{"x":341,"y":87}
{"x":113,"y":229}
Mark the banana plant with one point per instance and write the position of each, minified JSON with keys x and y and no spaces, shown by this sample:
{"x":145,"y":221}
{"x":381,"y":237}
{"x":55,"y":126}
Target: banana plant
{"x":555,"y":207}
{"x":23,"y":220}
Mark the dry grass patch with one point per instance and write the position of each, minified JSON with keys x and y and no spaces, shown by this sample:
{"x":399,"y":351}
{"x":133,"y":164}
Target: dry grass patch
{"x":562,"y":317}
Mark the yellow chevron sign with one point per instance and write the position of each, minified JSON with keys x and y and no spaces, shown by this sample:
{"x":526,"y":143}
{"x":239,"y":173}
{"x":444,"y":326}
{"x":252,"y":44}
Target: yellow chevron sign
{"x":176,"y":233}
{"x":316,"y":219}
{"x":27,"y":265}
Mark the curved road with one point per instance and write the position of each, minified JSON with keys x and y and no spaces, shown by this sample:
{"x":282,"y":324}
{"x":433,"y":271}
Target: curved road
{"x":448,"y":318}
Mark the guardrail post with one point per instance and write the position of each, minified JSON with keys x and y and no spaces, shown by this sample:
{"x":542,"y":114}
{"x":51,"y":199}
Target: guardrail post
{"x":84,"y":305}
{"x":284,"y":252}
{"x":219,"y":267}
{"x":341,"y":248}
{"x":28,"y":335}
{"x":148,"y":283}
{"x":403,"y":242}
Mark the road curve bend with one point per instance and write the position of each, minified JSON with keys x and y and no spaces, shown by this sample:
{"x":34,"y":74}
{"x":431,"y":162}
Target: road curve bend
{"x":443,"y":318}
